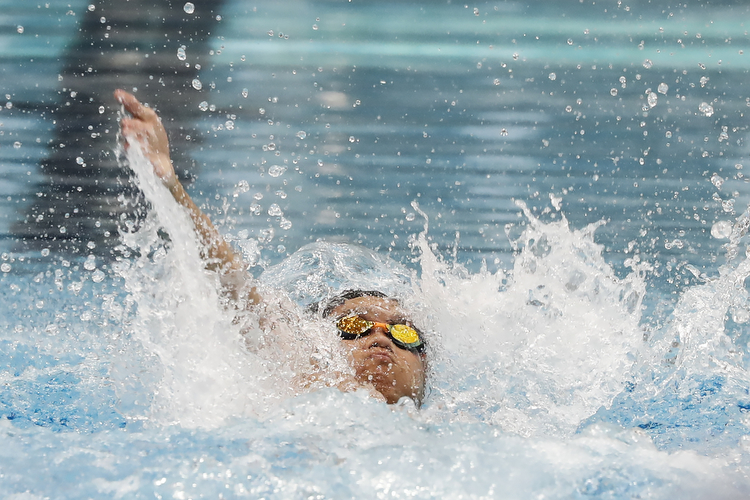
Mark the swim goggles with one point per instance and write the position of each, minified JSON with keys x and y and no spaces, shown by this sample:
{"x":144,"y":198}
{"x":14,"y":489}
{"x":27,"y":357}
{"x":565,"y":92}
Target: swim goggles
{"x":404,"y":336}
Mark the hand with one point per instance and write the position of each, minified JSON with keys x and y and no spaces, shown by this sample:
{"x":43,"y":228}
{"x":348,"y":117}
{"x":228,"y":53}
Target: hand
{"x":145,"y":127}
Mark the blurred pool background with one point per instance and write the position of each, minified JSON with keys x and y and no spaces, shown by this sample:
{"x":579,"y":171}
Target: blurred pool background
{"x":297,"y":121}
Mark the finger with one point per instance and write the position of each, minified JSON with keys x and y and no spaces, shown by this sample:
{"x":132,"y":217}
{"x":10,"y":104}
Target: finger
{"x":134,"y":106}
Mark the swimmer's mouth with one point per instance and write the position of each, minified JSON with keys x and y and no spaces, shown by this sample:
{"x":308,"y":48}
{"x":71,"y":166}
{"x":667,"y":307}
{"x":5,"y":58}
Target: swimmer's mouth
{"x":380,"y":353}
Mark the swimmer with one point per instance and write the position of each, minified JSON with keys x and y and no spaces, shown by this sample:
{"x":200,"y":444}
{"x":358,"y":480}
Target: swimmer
{"x":384,"y":349}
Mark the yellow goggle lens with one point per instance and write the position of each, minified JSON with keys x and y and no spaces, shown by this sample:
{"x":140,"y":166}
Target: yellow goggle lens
{"x":404,"y":333}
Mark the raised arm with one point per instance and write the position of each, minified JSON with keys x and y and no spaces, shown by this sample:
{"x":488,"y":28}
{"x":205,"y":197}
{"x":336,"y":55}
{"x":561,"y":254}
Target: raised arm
{"x":144,"y":126}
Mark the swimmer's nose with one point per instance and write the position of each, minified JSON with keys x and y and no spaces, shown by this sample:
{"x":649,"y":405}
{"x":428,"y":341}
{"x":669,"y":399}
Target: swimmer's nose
{"x":379,"y":338}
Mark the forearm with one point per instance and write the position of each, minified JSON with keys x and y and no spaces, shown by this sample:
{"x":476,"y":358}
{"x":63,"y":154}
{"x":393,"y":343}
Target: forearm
{"x":217,"y":253}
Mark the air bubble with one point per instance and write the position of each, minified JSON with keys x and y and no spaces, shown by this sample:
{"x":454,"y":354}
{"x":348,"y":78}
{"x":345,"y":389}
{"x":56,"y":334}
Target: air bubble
{"x":92,"y":7}
{"x":496,"y":81}
{"x":181,"y":55}
{"x":552,"y":76}
{"x":301,"y":135}
{"x":648,"y":64}
{"x":504,"y":132}
{"x":5,"y":267}
{"x":101,"y":110}
{"x":285,"y":224}
{"x":197,"y":85}
{"x":663,"y":88}
{"x":189,"y":8}
{"x":17,"y":145}
{"x":652,"y":99}
{"x":203,"y":106}
{"x":19,"y":29}
{"x":45,"y":252}
{"x":245,"y":93}
{"x":613,"y":92}
{"x":570,"y":41}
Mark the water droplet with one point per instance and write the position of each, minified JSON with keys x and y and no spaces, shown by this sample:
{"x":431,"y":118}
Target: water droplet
{"x":285,"y":224}
{"x":704,"y":81}
{"x":668,"y":134}
{"x":706,"y":109}
{"x":515,"y":56}
{"x":410,"y":216}
{"x":717,"y":180}
{"x":197,"y":85}
{"x":652,"y":99}
{"x":270,"y":32}
{"x":315,"y":27}
{"x":613,"y":92}
{"x":90,"y":263}
{"x":352,"y":138}
{"x":79,"y":160}
{"x":101,"y":110}
{"x":245,"y":93}
{"x":5,"y":267}
{"x":496,"y":81}
{"x":45,"y":252}
{"x":721,"y":230}
{"x":17,"y":145}
{"x":275,"y":210}
{"x":229,"y":125}
{"x":276,"y":170}
{"x":552,"y":76}
{"x":97,"y":276}
{"x":203,"y":106}
{"x":648,"y":64}
{"x":19,"y":28}
{"x":663,"y":88}
{"x":570,"y":41}
{"x":189,"y":8}
{"x":301,"y":135}
{"x":181,"y":55}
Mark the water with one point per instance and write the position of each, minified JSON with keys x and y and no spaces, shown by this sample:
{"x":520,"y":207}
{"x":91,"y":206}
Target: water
{"x":574,"y":245}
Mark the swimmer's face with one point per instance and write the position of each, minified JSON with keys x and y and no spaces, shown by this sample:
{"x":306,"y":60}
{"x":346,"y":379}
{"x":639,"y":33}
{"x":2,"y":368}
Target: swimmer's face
{"x":394,"y":372}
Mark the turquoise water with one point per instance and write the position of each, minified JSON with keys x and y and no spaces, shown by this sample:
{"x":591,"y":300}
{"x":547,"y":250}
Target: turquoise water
{"x":556,"y":191}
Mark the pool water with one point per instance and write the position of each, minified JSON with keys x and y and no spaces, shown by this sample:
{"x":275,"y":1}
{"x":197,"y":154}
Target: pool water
{"x":556,"y":192}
